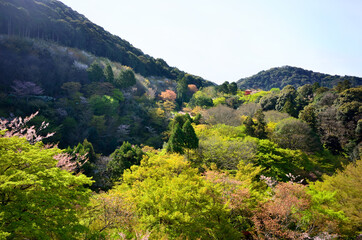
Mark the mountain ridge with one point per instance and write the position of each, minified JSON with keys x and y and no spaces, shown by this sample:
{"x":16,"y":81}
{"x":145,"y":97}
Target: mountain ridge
{"x":279,"y":77}
{"x":53,"y":20}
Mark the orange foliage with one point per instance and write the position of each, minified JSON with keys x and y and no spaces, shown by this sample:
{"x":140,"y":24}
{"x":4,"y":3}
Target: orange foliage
{"x":285,"y":209}
{"x":192,"y":87}
{"x":168,"y":95}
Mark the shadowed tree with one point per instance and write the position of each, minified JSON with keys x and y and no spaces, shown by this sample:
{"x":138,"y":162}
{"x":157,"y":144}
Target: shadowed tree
{"x":123,"y":158}
{"x":95,"y":73}
{"x":109,"y":73}
{"x":260,"y":125}
{"x":191,"y":140}
{"x":177,"y":140}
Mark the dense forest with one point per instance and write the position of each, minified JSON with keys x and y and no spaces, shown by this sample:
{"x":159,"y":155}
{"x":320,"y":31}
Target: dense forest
{"x":278,"y":164}
{"x":282,"y":76}
{"x":95,"y":146}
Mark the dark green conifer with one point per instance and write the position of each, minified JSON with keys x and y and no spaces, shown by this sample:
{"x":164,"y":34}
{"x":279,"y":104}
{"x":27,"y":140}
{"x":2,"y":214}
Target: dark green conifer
{"x":249,"y":126}
{"x":191,"y":140}
{"x":260,"y":125}
{"x":177,"y":140}
{"x":109,"y":73}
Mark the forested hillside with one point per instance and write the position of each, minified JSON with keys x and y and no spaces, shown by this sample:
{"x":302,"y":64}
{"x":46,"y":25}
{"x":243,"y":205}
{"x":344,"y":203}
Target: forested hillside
{"x":51,"y":20}
{"x":278,"y":164}
{"x":84,"y":96}
{"x":99,"y":141}
{"x":280,"y":77}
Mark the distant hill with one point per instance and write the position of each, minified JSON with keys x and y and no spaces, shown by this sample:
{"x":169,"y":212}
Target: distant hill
{"x":51,"y":20}
{"x":279,"y":77}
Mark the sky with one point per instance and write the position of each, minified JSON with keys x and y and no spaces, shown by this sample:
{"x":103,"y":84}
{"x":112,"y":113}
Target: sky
{"x":225,"y":40}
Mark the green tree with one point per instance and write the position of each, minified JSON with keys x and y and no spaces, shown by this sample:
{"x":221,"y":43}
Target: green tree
{"x":308,"y":115}
{"x":286,"y":101}
{"x":341,"y":86}
{"x":182,"y":91}
{"x":277,"y":162}
{"x":197,"y":118}
{"x":224,"y":88}
{"x":249,"y":126}
{"x":233,"y":88}
{"x":123,"y":158}
{"x":108,"y":72}
{"x":347,"y":185}
{"x":176,"y":142}
{"x":38,"y":199}
{"x":126,"y":79}
{"x":104,"y":105}
{"x":260,"y":126}
{"x":315,"y":86}
{"x":95,"y":73}
{"x":191,"y":140}
{"x":172,"y":199}
{"x":295,"y":134}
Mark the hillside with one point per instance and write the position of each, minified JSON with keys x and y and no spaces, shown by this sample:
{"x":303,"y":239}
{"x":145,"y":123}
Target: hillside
{"x":279,"y":77}
{"x":51,"y":20}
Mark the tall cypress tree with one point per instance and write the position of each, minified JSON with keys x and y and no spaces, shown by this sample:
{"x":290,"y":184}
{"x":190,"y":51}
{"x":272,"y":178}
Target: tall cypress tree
{"x":249,"y":126}
{"x":177,"y":140}
{"x":260,"y":131}
{"x":191,"y":140}
{"x":109,"y":74}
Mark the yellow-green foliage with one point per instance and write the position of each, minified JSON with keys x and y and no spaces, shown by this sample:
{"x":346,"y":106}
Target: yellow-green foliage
{"x":219,"y":100}
{"x":225,"y":131}
{"x":172,"y":198}
{"x":253,"y":97}
{"x":38,"y":199}
{"x":347,"y":185}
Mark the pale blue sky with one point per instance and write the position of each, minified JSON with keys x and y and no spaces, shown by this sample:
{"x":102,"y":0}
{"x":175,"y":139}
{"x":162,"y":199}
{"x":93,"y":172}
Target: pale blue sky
{"x":225,"y":40}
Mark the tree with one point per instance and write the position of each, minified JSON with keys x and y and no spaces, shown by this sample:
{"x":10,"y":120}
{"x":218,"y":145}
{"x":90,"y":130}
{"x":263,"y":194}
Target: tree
{"x":308,"y":116}
{"x":176,"y":142}
{"x":224,"y":88}
{"x":168,"y":95}
{"x":26,"y":89}
{"x":341,"y":86}
{"x":197,"y":118}
{"x":95,"y":73}
{"x":286,"y":101}
{"x":39,"y":200}
{"x":108,"y":72}
{"x":192,"y":88}
{"x":182,"y":90}
{"x":249,"y":126}
{"x":71,"y":88}
{"x":295,"y":134}
{"x":296,"y":212}
{"x":222,"y":115}
{"x":191,"y":140}
{"x":268,"y":102}
{"x":233,"y":88}
{"x":126,"y":79}
{"x":103,"y":105}
{"x":202,"y":101}
{"x":346,"y":184}
{"x":260,"y":131}
{"x":172,"y":199}
{"x":123,"y":158}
